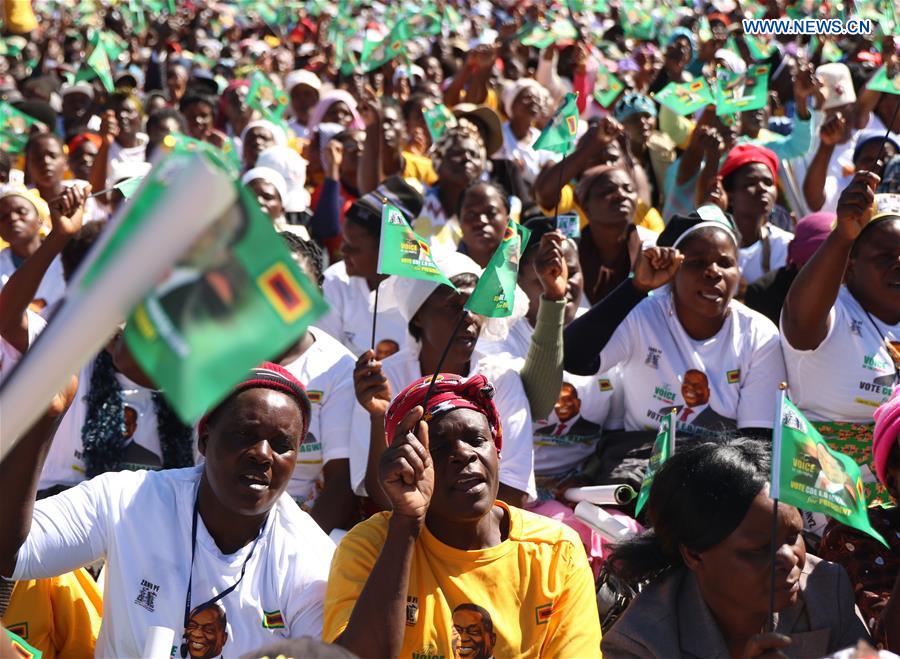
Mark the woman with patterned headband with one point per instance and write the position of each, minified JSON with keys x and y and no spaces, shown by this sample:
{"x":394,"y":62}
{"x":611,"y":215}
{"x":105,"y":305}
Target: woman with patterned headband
{"x":221,"y":545}
{"x":452,"y":571}
{"x":690,"y":346}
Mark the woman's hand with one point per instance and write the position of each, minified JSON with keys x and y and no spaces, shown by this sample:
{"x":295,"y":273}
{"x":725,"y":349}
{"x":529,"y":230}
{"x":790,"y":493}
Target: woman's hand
{"x":766,"y":646}
{"x":405,"y":470}
{"x":109,"y":127}
{"x":833,"y":129}
{"x":332,"y":157}
{"x":656,"y":267}
{"x":855,"y":205}
{"x":372,"y":389}
{"x":550,"y":266}
{"x":67,"y":211}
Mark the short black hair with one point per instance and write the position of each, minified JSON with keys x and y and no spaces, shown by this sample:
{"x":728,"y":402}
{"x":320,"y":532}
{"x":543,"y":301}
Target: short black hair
{"x":163,"y":114}
{"x":36,"y":138}
{"x":78,"y":247}
{"x":485,"y":616}
{"x":463,"y":279}
{"x":193,"y":97}
{"x":489,"y":184}
{"x":222,"y":618}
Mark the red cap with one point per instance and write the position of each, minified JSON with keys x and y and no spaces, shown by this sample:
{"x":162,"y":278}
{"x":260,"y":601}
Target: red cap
{"x":746,"y":154}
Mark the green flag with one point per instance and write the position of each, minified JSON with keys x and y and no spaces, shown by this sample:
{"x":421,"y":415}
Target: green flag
{"x":637,"y":22}
{"x":685,"y":97}
{"x":881,"y":83}
{"x":265,"y":97}
{"x":403,"y":252}
{"x":98,"y":62}
{"x":740,"y":92}
{"x":807,"y":474}
{"x":663,"y":448}
{"x":759,"y":49}
{"x":377,"y":53}
{"x":538,"y":37}
{"x":607,"y":88}
{"x":234,"y":299}
{"x":129,"y":186}
{"x":15,"y":127}
{"x":226,"y":157}
{"x":559,"y":135}
{"x":494,"y":295}
{"x":439,"y":118}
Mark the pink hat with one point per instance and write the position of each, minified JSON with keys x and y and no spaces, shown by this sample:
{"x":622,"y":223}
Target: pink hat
{"x":884,"y":438}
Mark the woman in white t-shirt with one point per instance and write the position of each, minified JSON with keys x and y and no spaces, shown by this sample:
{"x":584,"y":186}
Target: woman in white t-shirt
{"x":841,"y":320}
{"x":321,"y":479}
{"x":689,"y":346}
{"x":524,"y":102}
{"x":349,"y":286}
{"x":219,"y":544}
{"x":432,"y":311}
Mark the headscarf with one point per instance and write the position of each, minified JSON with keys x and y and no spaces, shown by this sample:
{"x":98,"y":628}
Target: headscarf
{"x":81,"y":138}
{"x":706,"y":216}
{"x":746,"y":154}
{"x":809,"y":233}
{"x":631,"y":104}
{"x":271,"y":376}
{"x":329,"y":99}
{"x":464,"y":129}
{"x":278,"y":133}
{"x":268,"y":175}
{"x":732,"y":61}
{"x":223,"y":100}
{"x":33,"y":197}
{"x":683,"y":33}
{"x":512,"y":91}
{"x":863,"y":137}
{"x":292,"y":166}
{"x":450,"y":392}
{"x":884,"y":437}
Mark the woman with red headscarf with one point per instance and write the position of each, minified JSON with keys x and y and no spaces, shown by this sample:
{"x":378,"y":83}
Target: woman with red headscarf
{"x":453,"y":571}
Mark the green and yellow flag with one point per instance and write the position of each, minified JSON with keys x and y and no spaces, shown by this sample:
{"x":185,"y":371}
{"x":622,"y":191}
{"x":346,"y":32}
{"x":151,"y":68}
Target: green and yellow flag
{"x":607,"y":88}
{"x":494,"y":295}
{"x":377,"y":53}
{"x":881,"y":83}
{"x":267,"y":99}
{"x":685,"y":97}
{"x":559,"y":135}
{"x":438,"y":119}
{"x":15,"y":127}
{"x":405,"y":253}
{"x":663,"y":448}
{"x":808,"y":474}
{"x":97,"y":65}
{"x":741,"y":92}
{"x":234,"y":299}
{"x":226,"y":157}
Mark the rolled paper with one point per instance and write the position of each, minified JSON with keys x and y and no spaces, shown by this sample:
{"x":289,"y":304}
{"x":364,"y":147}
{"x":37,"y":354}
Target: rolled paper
{"x":602,"y":495}
{"x":606,"y":525}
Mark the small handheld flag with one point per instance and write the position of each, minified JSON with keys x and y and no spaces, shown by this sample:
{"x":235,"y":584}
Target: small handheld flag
{"x":663,"y":448}
{"x":881,"y":83}
{"x":742,"y":92}
{"x":559,"y":134}
{"x":607,"y":88}
{"x":494,"y":295}
{"x":405,"y":253}
{"x":685,"y":97}
{"x":269,"y":100}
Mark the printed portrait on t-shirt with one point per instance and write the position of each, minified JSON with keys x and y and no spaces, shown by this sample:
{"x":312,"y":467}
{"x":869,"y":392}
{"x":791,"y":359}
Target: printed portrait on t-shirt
{"x":568,"y":414}
{"x":893,"y":348}
{"x":697,"y":410}
{"x":473,"y":632}
{"x":207,"y":632}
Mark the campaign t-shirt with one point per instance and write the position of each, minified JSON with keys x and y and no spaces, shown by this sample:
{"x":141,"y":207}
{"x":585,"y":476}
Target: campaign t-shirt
{"x":532,"y":595}
{"x":729,"y":380}
{"x":52,"y":288}
{"x":140,"y":522}
{"x":349,"y":319}
{"x":570,"y":433}
{"x":65,"y":462}
{"x":751,"y":258}
{"x":516,"y":456}
{"x":852,"y":371}
{"x":326,"y":370}
{"x":9,"y":356}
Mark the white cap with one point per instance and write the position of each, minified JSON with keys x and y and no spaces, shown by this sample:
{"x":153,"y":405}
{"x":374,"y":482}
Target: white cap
{"x":78,"y":88}
{"x":837,"y":85}
{"x":268,"y":175}
{"x":302,"y":77}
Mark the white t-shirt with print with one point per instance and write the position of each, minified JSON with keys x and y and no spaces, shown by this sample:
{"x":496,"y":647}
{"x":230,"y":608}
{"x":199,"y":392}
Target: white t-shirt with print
{"x":561,"y":445}
{"x":751,"y":258}
{"x":326,"y":370}
{"x":9,"y":356}
{"x":517,"y":456}
{"x":349,"y":320}
{"x":851,"y":372}
{"x":140,"y":522}
{"x":65,"y":462}
{"x":52,"y":288}
{"x":742,"y":364}
{"x":532,"y":160}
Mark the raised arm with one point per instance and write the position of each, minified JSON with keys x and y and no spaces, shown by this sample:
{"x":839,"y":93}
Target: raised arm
{"x":406,"y":473}
{"x":66,"y":216}
{"x":713,"y":146}
{"x":109,"y":131}
{"x":585,"y":337}
{"x":20,"y":470}
{"x":804,"y":318}
{"x":817,"y":172}
{"x":370,"y":174}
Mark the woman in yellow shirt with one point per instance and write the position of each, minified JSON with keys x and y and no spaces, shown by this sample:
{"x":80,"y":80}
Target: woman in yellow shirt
{"x":452,"y":571}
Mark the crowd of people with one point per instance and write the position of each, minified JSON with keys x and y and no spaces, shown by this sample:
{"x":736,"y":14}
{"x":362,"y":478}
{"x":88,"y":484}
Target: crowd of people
{"x":397,"y":482}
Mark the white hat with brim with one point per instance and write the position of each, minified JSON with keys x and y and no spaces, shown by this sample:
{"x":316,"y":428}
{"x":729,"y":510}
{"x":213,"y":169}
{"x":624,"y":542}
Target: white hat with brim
{"x":837,"y":85}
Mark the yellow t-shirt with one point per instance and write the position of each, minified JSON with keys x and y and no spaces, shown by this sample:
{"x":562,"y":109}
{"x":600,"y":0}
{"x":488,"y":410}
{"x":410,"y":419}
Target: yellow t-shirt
{"x":530,"y":596}
{"x":491,"y":100}
{"x":419,"y":168}
{"x":644,"y":215}
{"x":58,"y":616}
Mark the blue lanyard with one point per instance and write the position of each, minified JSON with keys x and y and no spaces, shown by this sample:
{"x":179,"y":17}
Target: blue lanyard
{"x":224,"y":593}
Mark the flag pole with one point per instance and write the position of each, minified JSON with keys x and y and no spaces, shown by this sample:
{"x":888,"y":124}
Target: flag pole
{"x":775,"y":494}
{"x":672,"y":421}
{"x":375,"y":313}
{"x":444,"y":354}
{"x":887,"y":134}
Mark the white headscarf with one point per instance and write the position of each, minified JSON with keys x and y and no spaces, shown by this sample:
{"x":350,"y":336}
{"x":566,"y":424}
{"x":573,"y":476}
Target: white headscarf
{"x":510,"y":92}
{"x":268,"y":175}
{"x":278,"y":133}
{"x":292,"y":166}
